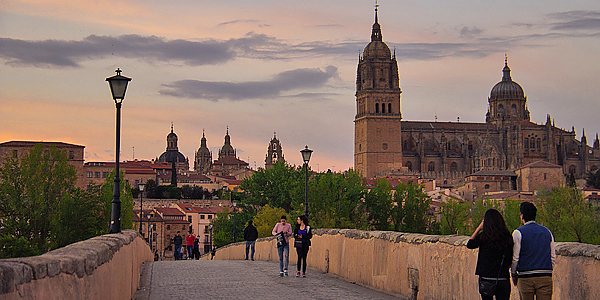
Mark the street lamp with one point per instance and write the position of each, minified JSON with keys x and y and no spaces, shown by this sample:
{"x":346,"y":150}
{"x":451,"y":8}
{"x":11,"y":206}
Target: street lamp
{"x":210,"y":227}
{"x":118,"y":85}
{"x":234,"y":203}
{"x":306,"y":158}
{"x":150,"y":232}
{"x":141,"y":186}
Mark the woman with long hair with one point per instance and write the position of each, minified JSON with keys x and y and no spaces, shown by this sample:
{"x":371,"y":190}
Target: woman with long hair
{"x":302,"y":236}
{"x":495,"y":245}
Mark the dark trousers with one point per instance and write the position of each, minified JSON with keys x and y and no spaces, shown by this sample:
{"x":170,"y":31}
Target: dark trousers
{"x":302,"y":253}
{"x":177,"y":252}
{"x":502,"y":290}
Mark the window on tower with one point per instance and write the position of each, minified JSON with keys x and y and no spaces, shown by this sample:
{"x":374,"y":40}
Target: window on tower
{"x":383,"y":108}
{"x":376,"y":108}
{"x":389,"y":108}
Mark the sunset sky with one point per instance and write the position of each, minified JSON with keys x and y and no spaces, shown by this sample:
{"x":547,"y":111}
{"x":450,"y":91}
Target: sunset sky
{"x":260,"y":67}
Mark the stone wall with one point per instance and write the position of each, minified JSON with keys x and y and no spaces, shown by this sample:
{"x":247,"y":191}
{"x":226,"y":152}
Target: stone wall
{"x":104,"y":267}
{"x":418,"y":266}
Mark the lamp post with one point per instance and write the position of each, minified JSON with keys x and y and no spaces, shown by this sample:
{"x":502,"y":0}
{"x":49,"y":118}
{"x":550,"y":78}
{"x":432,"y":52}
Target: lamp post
{"x":210,"y":227}
{"x":234,"y":203}
{"x":306,"y":158}
{"x":150,"y":232}
{"x":118,"y":86}
{"x":141,"y":186}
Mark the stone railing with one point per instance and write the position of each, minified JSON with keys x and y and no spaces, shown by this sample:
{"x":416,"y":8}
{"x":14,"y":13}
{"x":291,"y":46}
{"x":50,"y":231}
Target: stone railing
{"x":104,"y":267}
{"x":418,"y":266}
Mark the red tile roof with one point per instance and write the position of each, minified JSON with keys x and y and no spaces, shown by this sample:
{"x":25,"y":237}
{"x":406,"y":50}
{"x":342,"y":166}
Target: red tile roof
{"x":33,"y":143}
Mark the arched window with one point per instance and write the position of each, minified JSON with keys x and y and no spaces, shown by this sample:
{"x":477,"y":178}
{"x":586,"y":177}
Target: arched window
{"x":359,"y":147}
{"x":453,"y":167}
{"x":572,"y":169}
{"x":501,"y":109}
{"x":408,"y":165}
{"x":532,"y":143}
{"x":513,"y":110}
{"x":389,"y":108}
{"x":383,"y":108}
{"x":431,"y":167}
{"x":376,"y":108}
{"x":538,"y":143}
{"x":526,"y":143}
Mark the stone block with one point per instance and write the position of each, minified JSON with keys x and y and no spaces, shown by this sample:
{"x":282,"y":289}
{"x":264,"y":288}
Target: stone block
{"x":13,"y":274}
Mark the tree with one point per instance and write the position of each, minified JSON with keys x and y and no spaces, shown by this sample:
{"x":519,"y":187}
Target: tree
{"x":379,"y":204}
{"x":593,"y":179}
{"x":266,"y":219}
{"x":335,"y":201}
{"x":31,"y":189}
{"x":564,"y":211}
{"x":455,"y":216}
{"x":151,"y":189}
{"x":512,"y":213}
{"x":278,"y":186}
{"x":41,"y":209}
{"x":414,"y":205}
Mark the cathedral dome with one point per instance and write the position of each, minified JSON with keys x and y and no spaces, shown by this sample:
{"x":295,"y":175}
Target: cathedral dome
{"x":506,"y":88}
{"x":171,"y":155}
{"x":377,"y":49}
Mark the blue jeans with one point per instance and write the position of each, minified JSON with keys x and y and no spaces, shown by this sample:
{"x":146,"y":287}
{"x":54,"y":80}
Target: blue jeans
{"x":190,"y":250}
{"x":285,"y":250}
{"x":177,"y":252}
{"x":250,"y":244}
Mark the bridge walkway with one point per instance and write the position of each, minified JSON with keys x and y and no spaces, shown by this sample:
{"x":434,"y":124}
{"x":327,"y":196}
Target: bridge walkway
{"x":243,"y":279}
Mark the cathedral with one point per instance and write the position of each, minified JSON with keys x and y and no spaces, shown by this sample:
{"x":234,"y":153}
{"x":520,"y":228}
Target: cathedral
{"x":384,"y":144}
{"x":172,"y":153}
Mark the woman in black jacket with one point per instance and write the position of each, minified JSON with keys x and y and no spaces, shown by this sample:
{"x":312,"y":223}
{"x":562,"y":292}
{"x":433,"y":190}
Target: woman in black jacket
{"x":302,"y":236}
{"x":495,"y":245}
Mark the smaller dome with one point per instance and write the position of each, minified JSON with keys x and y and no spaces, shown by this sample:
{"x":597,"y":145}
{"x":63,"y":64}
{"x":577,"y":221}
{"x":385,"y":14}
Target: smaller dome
{"x":377,"y":49}
{"x":171,"y":155}
{"x":172,"y":135}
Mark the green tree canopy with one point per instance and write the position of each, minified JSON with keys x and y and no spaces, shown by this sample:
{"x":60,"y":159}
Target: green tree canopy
{"x":278,"y":186}
{"x":564,"y":211}
{"x":413,"y":206}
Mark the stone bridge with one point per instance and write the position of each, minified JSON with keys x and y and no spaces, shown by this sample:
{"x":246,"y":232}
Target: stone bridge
{"x":408,"y":266}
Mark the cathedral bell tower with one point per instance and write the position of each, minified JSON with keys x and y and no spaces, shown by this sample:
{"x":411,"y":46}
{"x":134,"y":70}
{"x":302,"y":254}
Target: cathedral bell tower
{"x":377,"y":124}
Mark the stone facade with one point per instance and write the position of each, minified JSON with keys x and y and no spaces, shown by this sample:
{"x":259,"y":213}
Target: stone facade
{"x":274,"y":153}
{"x":508,"y":140}
{"x":540,"y":175}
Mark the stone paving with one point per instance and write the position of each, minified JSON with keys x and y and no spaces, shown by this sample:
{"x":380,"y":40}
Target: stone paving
{"x":240,"y":279}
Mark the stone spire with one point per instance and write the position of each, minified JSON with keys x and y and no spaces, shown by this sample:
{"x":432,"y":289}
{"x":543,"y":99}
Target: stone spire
{"x":376,"y":33}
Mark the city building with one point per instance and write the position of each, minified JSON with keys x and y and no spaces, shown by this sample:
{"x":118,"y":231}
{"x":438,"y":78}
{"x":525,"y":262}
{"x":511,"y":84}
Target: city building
{"x":449,"y":151}
{"x":75,"y":154}
{"x":274,"y":153}
{"x":203,"y":157}
{"x":227,"y":163}
{"x":172,"y":154}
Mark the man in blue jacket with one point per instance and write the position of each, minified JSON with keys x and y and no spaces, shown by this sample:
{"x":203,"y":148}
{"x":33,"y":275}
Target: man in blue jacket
{"x":533,"y":256}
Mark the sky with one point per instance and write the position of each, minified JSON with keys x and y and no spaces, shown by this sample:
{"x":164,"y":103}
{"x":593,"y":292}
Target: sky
{"x":288,"y":68}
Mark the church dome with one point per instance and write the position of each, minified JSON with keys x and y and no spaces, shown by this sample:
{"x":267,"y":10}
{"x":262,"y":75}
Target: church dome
{"x":377,"y":49}
{"x":171,"y":155}
{"x":506,"y":88}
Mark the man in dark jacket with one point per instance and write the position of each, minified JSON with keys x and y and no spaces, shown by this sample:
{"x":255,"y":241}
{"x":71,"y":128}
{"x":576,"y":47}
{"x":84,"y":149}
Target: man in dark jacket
{"x":177,"y":241}
{"x":250,"y":235}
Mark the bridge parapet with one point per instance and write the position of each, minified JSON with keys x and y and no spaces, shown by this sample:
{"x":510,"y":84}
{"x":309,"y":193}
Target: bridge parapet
{"x":103,"y":267}
{"x":420,"y":266}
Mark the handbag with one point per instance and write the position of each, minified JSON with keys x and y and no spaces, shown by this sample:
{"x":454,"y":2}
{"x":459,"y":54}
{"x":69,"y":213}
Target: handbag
{"x":488,"y":288}
{"x":280,"y":239}
{"x":298,"y":243}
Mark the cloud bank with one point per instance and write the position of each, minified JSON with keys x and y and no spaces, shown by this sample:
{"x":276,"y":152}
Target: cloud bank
{"x":236,"y":91}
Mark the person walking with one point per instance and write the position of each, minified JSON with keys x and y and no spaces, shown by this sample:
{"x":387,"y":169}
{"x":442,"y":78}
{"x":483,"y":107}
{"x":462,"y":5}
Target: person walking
{"x":177,"y":241}
{"x":250,"y":235}
{"x":189,"y":239}
{"x":283,"y":232}
{"x":495,"y":244}
{"x":302,"y":236}
{"x":533,"y":256}
{"x":196,"y":251}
